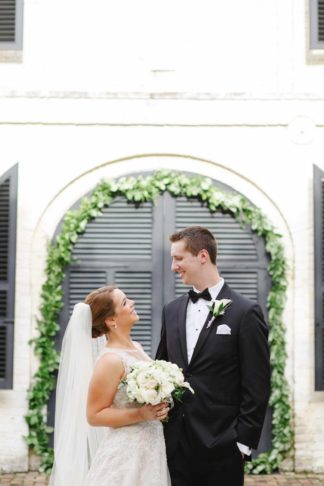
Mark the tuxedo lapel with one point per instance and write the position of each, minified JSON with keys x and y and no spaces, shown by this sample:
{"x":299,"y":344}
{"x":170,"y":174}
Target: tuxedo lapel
{"x":182,"y":317}
{"x":223,"y":294}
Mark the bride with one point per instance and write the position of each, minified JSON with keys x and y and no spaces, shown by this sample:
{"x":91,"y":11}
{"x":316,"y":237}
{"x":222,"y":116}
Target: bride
{"x":100,"y":438}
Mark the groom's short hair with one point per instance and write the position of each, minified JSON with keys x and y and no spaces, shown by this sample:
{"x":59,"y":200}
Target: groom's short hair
{"x":197,"y":238}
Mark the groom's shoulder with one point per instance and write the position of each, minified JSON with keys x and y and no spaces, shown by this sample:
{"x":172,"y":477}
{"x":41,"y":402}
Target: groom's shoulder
{"x":176,"y":302}
{"x":241,"y":300}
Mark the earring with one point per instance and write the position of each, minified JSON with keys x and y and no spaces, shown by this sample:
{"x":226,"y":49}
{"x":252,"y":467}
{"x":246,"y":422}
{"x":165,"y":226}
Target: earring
{"x":114,"y":326}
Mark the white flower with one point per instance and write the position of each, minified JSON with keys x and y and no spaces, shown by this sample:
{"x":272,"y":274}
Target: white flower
{"x":218,"y":308}
{"x":153,"y":382}
{"x":151,"y":396}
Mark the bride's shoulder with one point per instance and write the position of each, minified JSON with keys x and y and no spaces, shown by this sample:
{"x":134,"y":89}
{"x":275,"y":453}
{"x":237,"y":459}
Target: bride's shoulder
{"x":109,"y":358}
{"x":108,"y":368}
{"x":138,"y":345}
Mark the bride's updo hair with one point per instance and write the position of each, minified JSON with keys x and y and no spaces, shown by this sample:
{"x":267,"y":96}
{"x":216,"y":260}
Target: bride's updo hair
{"x":102,"y":306}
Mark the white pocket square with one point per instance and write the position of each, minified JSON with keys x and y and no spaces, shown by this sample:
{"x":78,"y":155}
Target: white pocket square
{"x":223,"y":329}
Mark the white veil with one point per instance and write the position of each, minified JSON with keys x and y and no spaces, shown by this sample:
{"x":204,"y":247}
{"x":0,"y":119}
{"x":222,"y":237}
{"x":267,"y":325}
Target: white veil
{"x":75,"y":441}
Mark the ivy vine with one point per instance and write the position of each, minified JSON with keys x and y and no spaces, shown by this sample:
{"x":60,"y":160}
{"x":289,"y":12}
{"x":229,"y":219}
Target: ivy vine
{"x":137,"y":190}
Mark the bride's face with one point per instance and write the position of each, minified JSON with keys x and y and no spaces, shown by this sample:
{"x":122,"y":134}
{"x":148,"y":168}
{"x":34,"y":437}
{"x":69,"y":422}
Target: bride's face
{"x":125,"y":313}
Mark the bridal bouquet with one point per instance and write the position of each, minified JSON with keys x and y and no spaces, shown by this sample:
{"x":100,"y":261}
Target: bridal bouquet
{"x":153,"y":382}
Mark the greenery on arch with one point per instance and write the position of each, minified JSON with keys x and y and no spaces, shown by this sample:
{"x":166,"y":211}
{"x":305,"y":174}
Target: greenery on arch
{"x":137,"y":190}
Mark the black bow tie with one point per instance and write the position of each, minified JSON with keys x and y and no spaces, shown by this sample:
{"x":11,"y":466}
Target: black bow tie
{"x":194,"y":296}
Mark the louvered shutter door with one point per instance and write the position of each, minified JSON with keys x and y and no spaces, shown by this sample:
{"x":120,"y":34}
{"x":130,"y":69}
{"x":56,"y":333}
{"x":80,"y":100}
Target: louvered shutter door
{"x":320,"y":20}
{"x":138,"y":285}
{"x":319,"y":276}
{"x":8,"y":207}
{"x":4,"y":259}
{"x":240,"y":261}
{"x":316,"y":9}
{"x":128,"y":246}
{"x":7,"y":20}
{"x":82,"y":282}
{"x":121,"y":233}
{"x":116,"y":247}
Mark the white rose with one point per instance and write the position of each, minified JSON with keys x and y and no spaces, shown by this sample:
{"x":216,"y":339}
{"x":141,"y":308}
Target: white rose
{"x":151,"y":396}
{"x":146,"y":380}
{"x":167,"y":388}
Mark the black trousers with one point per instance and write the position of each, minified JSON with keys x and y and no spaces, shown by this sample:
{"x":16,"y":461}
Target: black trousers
{"x":189,"y":468}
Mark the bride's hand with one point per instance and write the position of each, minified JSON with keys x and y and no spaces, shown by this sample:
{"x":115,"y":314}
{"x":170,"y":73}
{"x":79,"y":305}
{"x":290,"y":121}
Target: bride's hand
{"x":154,"y":412}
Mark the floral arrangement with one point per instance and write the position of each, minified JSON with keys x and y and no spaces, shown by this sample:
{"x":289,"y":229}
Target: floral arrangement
{"x":218,"y":308}
{"x":153,"y":382}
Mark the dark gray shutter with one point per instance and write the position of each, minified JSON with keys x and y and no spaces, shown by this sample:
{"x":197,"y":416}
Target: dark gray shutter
{"x":11,"y":24}
{"x":128,"y":245}
{"x":138,"y":285}
{"x":82,"y":282}
{"x":79,"y":282}
{"x":121,"y":233}
{"x":320,"y":20}
{"x":317,"y":24}
{"x":319,"y":276}
{"x":116,"y":248}
{"x":8,"y":209}
{"x":241,"y":255}
{"x":7,"y":20}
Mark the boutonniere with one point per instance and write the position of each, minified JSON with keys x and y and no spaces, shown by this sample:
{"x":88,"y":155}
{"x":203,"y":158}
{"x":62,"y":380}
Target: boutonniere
{"x":218,"y":308}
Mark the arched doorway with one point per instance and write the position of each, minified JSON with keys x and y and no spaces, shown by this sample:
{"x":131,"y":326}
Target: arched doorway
{"x":128,"y":245}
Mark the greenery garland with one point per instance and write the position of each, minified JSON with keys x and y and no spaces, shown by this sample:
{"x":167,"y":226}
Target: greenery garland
{"x":140,"y":189}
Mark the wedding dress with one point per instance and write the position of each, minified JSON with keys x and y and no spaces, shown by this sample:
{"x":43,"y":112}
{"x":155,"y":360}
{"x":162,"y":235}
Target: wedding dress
{"x":132,"y":455}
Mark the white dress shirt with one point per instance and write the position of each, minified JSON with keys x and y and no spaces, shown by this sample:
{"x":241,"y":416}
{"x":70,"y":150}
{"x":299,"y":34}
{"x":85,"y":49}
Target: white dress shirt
{"x":196,"y":316}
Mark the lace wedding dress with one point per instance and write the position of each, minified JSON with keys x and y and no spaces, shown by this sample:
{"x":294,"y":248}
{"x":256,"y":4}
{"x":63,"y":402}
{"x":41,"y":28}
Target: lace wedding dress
{"x":132,"y":455}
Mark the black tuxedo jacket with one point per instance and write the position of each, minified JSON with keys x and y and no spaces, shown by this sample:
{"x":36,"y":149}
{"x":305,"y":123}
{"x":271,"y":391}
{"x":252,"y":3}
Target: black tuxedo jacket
{"x":230,"y":374}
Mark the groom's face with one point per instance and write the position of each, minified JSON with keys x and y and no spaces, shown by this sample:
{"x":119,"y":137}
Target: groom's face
{"x":184,"y":263}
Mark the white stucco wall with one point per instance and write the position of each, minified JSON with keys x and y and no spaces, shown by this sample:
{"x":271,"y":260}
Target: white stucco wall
{"x":254,"y":47}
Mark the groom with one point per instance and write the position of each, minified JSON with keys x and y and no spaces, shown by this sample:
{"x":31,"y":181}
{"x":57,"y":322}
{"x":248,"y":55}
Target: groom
{"x":225,"y":358}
